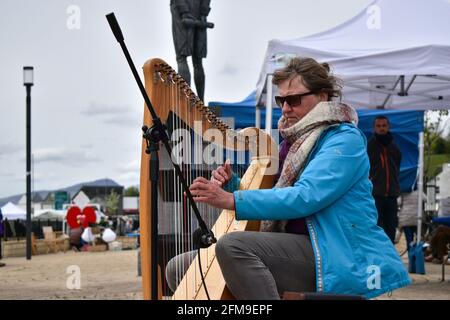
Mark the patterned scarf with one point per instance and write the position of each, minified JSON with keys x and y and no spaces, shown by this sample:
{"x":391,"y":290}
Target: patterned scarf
{"x":303,"y":136}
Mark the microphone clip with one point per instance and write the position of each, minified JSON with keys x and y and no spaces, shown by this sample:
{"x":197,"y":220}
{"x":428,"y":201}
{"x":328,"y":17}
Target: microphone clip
{"x":153,"y":136}
{"x":203,"y":238}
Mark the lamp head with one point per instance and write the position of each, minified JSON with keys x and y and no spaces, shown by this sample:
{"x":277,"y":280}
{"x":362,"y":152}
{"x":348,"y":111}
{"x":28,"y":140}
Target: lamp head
{"x":28,"y":76}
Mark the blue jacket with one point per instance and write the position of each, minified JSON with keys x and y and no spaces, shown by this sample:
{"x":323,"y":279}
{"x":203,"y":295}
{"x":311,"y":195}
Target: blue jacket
{"x":353,"y":255}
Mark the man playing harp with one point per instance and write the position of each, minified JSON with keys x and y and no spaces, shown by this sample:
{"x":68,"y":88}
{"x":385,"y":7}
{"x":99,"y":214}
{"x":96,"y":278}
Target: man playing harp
{"x":319,"y":229}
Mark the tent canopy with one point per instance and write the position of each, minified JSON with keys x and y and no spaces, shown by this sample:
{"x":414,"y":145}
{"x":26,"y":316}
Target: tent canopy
{"x":49,"y":214}
{"x":12,"y":212}
{"x":60,"y":215}
{"x":395,"y":54}
{"x":405,"y":127}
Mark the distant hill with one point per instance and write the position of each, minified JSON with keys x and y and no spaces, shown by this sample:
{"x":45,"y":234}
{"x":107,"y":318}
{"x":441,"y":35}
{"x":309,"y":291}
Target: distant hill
{"x":72,"y":190}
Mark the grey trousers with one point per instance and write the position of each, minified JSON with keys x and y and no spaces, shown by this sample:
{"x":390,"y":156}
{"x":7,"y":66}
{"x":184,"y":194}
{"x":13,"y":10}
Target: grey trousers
{"x":257,"y":265}
{"x":262,"y":265}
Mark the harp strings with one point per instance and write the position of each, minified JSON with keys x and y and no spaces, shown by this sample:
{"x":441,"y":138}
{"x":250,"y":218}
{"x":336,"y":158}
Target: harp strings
{"x":177,"y":237}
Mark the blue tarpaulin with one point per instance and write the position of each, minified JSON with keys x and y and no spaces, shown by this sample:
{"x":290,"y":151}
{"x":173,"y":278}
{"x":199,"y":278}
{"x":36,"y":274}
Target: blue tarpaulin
{"x":405,"y":127}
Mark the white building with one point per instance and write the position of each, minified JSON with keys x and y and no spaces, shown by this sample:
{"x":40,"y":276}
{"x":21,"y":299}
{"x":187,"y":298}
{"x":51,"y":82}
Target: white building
{"x":37,"y":203}
{"x":130,"y":205}
{"x":443,"y":182}
{"x":81,"y":199}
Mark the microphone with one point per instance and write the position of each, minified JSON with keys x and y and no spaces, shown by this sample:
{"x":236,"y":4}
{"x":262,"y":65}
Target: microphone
{"x":115,"y":26}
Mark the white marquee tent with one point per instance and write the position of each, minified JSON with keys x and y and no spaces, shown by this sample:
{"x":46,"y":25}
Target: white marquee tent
{"x":395,"y":54}
{"x":12,"y":212}
{"x":49,"y":214}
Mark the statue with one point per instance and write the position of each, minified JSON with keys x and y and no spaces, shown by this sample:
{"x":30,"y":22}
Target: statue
{"x":189,"y":37}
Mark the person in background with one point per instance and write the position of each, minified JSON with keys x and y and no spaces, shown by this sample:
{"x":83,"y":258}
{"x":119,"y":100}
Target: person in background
{"x":128,"y":226}
{"x":1,"y":236}
{"x":385,"y":158}
{"x":407,"y":217}
{"x":439,"y":244}
{"x":75,"y":238}
{"x":103,"y":223}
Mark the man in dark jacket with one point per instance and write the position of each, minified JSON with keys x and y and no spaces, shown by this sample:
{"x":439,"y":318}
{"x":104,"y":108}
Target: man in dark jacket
{"x":385,"y":158}
{"x":190,"y":39}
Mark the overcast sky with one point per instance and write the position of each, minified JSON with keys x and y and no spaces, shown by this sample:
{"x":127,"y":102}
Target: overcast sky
{"x":86,"y":107}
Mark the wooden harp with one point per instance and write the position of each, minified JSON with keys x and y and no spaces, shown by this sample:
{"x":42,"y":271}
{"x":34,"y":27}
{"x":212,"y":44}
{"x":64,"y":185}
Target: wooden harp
{"x":179,"y":108}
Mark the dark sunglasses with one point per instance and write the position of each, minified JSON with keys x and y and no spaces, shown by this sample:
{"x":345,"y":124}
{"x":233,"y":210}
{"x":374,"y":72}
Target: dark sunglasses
{"x":293,"y":100}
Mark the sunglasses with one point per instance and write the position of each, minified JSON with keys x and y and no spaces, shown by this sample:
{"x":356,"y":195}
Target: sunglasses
{"x":292,"y":100}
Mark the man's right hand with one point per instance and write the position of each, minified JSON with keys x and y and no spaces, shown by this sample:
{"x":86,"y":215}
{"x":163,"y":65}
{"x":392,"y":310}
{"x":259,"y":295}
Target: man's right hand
{"x":222,"y":175}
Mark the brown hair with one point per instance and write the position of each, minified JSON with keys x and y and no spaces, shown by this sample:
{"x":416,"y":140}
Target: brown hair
{"x":315,"y":76}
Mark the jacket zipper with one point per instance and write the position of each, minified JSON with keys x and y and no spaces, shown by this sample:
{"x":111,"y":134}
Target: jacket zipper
{"x":312,"y":229}
{"x":313,"y":236}
{"x":382,"y":160}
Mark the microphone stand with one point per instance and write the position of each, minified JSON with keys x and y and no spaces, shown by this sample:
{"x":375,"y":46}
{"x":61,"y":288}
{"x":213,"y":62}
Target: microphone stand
{"x":203,"y":237}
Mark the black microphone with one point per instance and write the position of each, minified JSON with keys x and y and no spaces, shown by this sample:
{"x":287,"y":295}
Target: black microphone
{"x":115,"y":26}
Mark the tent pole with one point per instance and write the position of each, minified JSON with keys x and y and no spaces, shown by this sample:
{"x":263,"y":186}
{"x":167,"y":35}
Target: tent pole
{"x":410,"y":84}
{"x":269,"y":106}
{"x":402,"y":86}
{"x":392,"y":92}
{"x":420,"y":188}
{"x":258,"y":117}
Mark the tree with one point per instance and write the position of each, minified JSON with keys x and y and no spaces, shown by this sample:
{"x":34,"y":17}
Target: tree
{"x":439,"y":146}
{"x":131,"y":192}
{"x":112,"y":203}
{"x":432,"y":132}
{"x":447,"y":142}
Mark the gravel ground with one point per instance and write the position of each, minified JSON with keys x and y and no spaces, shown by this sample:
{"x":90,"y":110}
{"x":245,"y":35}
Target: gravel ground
{"x":113,"y":275}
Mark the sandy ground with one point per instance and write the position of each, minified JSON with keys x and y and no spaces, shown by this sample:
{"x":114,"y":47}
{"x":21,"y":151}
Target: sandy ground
{"x":424,"y":287}
{"x":113,"y":275}
{"x":104,"y":275}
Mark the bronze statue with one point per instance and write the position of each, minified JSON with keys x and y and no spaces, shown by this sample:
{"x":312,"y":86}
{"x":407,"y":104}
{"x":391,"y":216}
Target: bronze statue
{"x":189,"y":37}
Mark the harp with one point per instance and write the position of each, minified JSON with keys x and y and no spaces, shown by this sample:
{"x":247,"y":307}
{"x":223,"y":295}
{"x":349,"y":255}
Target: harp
{"x":201,"y":134}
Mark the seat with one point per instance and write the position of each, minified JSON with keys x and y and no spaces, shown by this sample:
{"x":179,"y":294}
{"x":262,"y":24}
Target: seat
{"x":51,"y":240}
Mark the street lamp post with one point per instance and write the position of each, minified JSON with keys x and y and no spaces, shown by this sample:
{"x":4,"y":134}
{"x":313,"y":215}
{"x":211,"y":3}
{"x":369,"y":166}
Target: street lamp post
{"x":28,"y":83}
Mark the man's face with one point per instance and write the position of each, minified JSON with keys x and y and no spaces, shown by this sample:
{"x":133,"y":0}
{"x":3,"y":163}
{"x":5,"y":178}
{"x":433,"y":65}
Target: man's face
{"x":381,"y":126}
{"x":293,"y":114}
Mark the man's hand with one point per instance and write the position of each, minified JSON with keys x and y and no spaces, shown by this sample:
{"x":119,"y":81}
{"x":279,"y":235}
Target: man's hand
{"x":209,"y":192}
{"x":222,"y":175}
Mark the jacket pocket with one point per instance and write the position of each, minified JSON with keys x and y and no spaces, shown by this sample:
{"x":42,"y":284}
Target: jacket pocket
{"x":352,"y":232}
